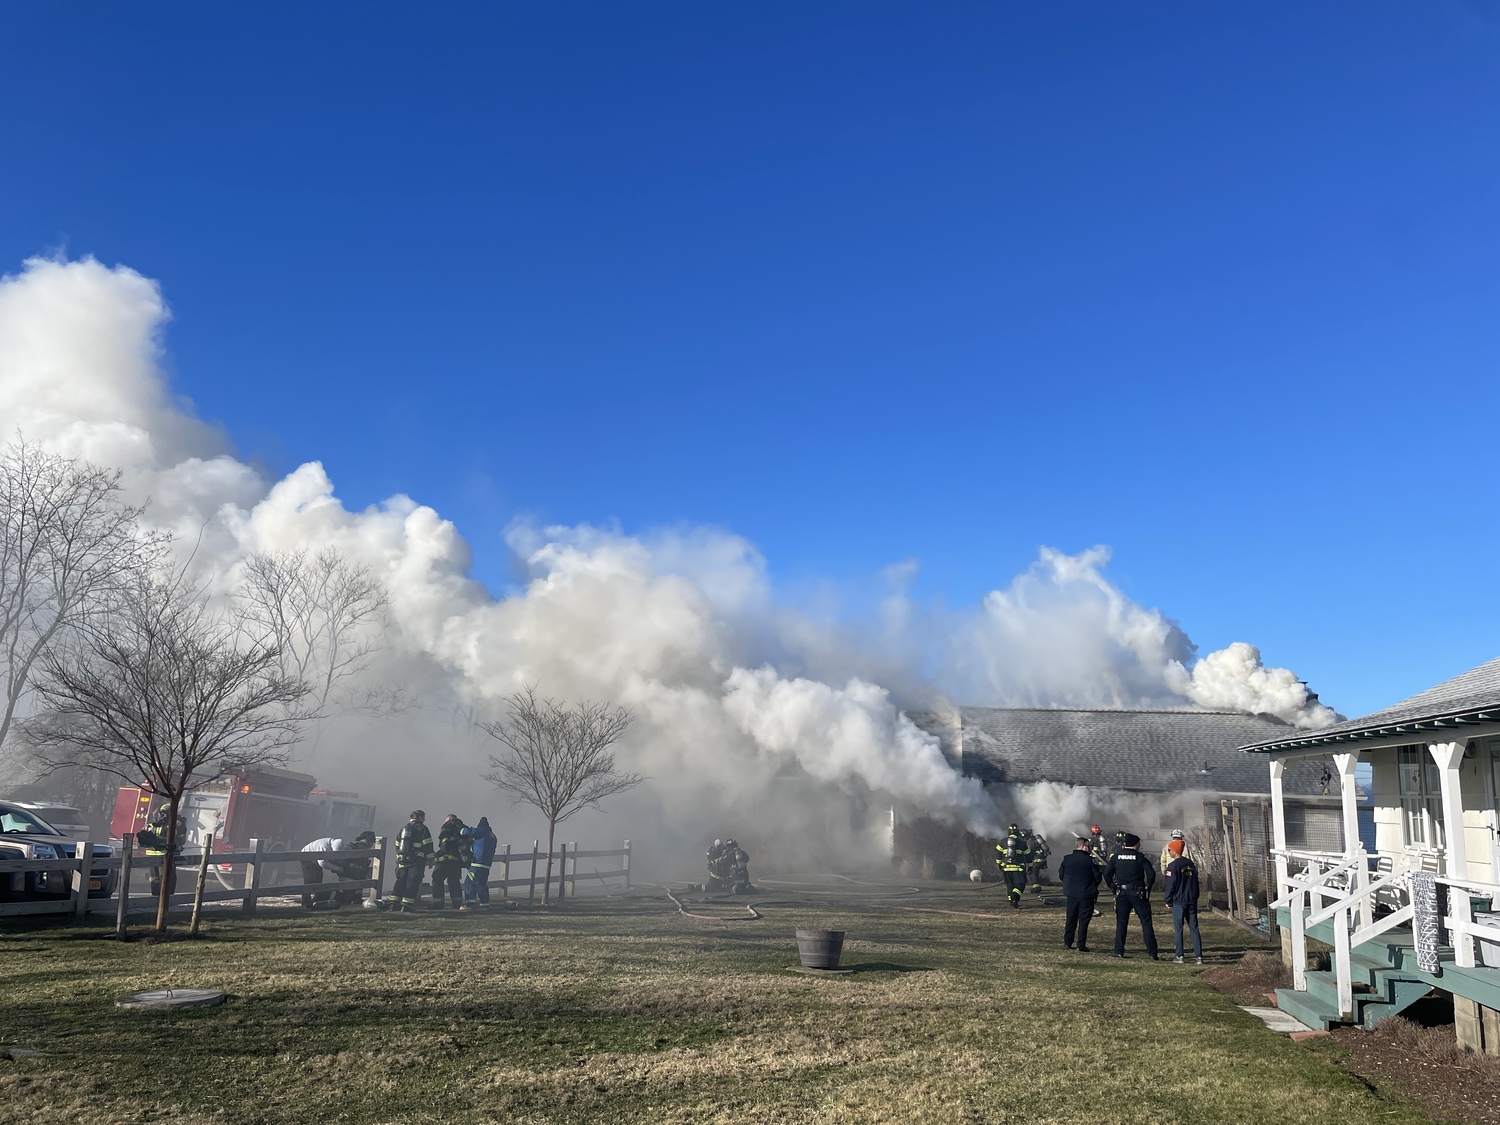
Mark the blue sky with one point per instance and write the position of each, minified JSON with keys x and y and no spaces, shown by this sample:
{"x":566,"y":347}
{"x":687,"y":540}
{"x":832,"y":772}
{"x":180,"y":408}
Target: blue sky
{"x":1214,"y":284}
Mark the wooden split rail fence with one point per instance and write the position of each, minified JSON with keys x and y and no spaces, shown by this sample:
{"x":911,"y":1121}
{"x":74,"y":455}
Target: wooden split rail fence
{"x":90,"y":871}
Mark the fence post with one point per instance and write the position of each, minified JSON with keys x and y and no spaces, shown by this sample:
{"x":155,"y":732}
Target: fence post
{"x":124,"y":888}
{"x":505,"y":872}
{"x":562,"y":875}
{"x":377,"y":872}
{"x":573,"y":874}
{"x":252,"y":875}
{"x":208,"y":851}
{"x":531,"y":886}
{"x":85,"y":857}
{"x":627,"y":865}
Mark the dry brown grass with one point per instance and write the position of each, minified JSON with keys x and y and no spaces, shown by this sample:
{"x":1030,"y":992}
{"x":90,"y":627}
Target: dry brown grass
{"x":624,"y":1011}
{"x":1250,"y":978}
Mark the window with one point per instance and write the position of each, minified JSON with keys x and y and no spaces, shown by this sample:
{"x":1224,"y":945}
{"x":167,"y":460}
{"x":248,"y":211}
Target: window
{"x":19,"y":821}
{"x":1421,"y":797}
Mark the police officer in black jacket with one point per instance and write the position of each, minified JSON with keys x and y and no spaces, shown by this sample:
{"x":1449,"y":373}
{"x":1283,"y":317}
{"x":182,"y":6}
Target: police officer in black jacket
{"x":1079,"y":876}
{"x":1131,"y":876}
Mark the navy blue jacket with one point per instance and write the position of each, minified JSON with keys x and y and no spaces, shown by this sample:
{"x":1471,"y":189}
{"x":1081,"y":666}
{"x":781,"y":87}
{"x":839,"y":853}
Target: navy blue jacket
{"x":1129,"y":870}
{"x":1079,"y":875}
{"x":484,"y":844}
{"x":1182,"y":882}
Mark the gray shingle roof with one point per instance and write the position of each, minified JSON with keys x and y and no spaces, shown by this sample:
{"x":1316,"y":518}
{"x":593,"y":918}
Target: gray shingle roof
{"x":1162,"y":750}
{"x":1473,"y":695}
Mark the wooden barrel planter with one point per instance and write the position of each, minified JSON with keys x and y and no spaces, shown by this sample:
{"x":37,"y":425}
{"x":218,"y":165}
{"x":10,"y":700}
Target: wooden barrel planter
{"x":820,"y":949}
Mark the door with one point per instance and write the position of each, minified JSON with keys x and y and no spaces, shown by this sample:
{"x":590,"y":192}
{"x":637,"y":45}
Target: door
{"x":1494,"y":795}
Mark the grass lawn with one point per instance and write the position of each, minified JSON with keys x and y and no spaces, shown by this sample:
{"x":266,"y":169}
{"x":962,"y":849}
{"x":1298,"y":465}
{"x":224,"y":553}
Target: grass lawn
{"x":622,"y":1010}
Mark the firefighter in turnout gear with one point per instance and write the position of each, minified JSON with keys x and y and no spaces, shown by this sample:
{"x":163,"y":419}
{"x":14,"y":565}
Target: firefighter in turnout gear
{"x":154,"y":840}
{"x":1015,"y":858}
{"x":449,"y":862}
{"x":720,"y":864}
{"x":1167,"y":855}
{"x":1039,"y":853}
{"x":739,"y":868}
{"x":413,"y":853}
{"x":1099,"y":853}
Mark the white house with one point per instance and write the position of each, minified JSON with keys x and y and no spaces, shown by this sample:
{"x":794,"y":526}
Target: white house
{"x":1416,"y":914}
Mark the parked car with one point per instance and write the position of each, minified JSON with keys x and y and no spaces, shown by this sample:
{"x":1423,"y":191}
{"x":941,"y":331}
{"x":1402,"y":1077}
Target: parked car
{"x":24,"y":835}
{"x":65,"y":818}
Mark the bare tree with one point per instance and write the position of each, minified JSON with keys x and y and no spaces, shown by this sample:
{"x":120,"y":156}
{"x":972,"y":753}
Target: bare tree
{"x":68,"y":543}
{"x":559,"y":759}
{"x":168,"y":691}
{"x":325,"y":614}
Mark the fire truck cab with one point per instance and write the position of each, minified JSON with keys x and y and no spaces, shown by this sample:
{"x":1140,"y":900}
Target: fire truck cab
{"x":282,"y":808}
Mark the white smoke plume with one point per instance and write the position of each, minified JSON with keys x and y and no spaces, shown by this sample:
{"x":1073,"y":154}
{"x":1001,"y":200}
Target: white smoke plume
{"x":1234,"y":679}
{"x":742,"y":700}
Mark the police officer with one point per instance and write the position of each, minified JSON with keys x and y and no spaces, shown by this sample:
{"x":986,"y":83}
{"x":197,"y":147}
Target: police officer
{"x":1015,"y":857}
{"x":477,"y":880}
{"x":413,"y":852}
{"x":1131,"y":876}
{"x":449,"y":862}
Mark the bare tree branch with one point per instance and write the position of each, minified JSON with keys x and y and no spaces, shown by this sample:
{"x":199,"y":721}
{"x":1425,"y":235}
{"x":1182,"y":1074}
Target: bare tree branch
{"x":559,"y":759}
{"x":326,"y":616}
{"x":68,"y":545}
{"x":168,"y":691}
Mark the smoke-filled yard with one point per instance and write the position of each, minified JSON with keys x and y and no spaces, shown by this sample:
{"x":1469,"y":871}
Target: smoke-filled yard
{"x":623,"y":1010}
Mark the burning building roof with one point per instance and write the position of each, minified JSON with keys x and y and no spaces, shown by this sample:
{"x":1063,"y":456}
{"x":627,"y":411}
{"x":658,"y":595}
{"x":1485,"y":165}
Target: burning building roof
{"x":1153,"y":750}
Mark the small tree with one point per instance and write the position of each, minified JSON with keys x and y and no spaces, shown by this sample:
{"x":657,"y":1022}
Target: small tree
{"x":170,"y":691}
{"x":559,"y":759}
{"x":68,"y":544}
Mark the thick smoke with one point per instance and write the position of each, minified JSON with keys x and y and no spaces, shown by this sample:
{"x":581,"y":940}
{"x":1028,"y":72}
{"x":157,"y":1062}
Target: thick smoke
{"x":749,"y":710}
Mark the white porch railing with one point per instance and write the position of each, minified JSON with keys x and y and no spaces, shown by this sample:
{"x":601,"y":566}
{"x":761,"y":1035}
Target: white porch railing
{"x":1346,"y":882}
{"x":1343,"y":890}
{"x":1462,"y":927}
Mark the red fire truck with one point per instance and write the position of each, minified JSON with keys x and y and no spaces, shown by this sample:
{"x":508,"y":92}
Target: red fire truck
{"x":283,"y":808}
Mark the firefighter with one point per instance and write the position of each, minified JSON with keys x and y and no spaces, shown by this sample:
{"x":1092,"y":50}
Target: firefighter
{"x":1098,"y":849}
{"x":451,"y":860}
{"x":718,"y":868}
{"x":477,"y":879}
{"x":1168,"y":855}
{"x":355,"y":869}
{"x":1015,"y":858}
{"x":413,"y":853}
{"x":738,"y":860}
{"x":1039,"y":853}
{"x":315,"y":861}
{"x":154,"y":839}
{"x":1131,"y":876}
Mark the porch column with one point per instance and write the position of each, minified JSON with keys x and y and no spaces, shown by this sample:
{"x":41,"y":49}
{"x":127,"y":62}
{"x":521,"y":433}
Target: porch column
{"x":1448,"y":755}
{"x":1278,"y":823}
{"x":1278,"y":845}
{"x":1349,"y":795}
